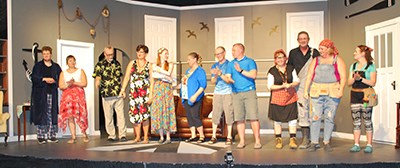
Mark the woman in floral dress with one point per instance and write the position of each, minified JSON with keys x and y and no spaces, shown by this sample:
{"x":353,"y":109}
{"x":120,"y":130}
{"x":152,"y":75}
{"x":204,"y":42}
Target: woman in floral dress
{"x":138,"y":74}
{"x":163,"y":117}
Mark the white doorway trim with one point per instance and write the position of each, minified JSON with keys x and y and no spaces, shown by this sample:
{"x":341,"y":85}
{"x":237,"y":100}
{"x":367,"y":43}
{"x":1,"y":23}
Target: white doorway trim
{"x":161,"y":32}
{"x":384,"y":38}
{"x":311,"y":22}
{"x":229,"y":31}
{"x":84,"y":54}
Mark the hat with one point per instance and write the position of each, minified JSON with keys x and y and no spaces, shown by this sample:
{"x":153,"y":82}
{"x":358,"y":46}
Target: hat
{"x":329,"y":44}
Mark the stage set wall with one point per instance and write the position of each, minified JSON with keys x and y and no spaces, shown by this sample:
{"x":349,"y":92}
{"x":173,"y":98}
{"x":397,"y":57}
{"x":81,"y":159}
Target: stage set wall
{"x":37,"y":21}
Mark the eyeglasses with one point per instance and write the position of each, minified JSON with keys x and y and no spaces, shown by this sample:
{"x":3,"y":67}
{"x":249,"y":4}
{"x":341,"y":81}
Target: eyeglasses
{"x":280,"y":57}
{"x":219,"y":53}
{"x":112,"y":54}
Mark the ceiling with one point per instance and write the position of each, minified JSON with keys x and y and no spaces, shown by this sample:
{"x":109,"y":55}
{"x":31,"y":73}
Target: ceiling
{"x":182,"y":3}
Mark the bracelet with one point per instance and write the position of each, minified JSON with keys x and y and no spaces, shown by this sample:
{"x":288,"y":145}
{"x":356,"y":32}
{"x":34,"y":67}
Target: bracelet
{"x":241,"y":71}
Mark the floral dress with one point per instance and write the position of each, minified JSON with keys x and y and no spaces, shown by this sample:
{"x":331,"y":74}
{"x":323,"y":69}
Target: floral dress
{"x":73,"y":104}
{"x":163,"y":108}
{"x":139,"y":93}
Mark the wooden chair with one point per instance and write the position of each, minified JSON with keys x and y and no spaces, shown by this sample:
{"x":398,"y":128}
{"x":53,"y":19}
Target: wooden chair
{"x":3,"y":119}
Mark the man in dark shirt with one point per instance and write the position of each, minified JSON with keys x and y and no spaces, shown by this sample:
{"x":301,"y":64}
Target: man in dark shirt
{"x":301,"y":58}
{"x":108,"y":73}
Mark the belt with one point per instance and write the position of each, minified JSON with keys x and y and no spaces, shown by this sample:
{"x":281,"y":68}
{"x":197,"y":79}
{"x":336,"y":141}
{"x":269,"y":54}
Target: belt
{"x":357,"y":89}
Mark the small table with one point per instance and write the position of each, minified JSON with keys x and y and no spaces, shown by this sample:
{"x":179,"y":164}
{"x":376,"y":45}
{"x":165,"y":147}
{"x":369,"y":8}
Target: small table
{"x":24,"y":109}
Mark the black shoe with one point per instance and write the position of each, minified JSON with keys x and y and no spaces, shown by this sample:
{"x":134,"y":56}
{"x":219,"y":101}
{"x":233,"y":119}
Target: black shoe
{"x":52,"y":140}
{"x":110,"y":140}
{"x":313,"y":147}
{"x":41,"y":141}
{"x":328,"y":148}
{"x":123,"y":139}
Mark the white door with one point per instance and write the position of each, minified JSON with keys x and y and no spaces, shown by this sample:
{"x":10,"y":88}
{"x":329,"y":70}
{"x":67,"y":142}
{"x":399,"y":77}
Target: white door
{"x":84,"y":54}
{"x":311,"y":22}
{"x":229,"y":31}
{"x":160,"y":32}
{"x":384,"y":38}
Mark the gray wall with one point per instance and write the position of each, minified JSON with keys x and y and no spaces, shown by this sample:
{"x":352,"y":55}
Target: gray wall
{"x":347,"y":35}
{"x":259,"y":45}
{"x":36,"y":21}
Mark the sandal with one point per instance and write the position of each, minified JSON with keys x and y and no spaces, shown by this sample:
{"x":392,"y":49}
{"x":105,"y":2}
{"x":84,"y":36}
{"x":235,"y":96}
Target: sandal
{"x":168,"y":141}
{"x":201,"y":140}
{"x":136,"y":140}
{"x":71,"y":141}
{"x":212,"y":141}
{"x":191,"y":139}
{"x":228,"y":141}
{"x":161,"y":140}
{"x":146,"y":141}
{"x":86,"y":139}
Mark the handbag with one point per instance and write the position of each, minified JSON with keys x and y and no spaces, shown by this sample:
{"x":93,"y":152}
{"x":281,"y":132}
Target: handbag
{"x":370,"y":97}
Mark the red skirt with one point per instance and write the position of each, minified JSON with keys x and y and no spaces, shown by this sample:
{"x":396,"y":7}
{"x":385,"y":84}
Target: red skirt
{"x":73,"y":104}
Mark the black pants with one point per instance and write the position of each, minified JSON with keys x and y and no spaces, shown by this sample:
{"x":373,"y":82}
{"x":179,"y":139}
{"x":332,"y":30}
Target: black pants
{"x":193,"y":113}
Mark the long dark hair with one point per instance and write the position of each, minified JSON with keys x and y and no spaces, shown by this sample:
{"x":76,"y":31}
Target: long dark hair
{"x":367,"y":50}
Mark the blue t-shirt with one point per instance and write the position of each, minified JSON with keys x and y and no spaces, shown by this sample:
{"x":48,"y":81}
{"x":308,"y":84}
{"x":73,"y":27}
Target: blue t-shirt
{"x":242,"y":83}
{"x":221,"y":86}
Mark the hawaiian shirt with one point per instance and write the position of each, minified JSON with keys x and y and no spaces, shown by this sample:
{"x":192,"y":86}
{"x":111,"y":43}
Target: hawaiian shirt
{"x":110,"y":74}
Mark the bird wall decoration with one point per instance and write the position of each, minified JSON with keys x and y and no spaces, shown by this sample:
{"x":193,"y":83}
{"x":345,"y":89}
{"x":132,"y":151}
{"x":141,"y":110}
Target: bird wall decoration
{"x":204,"y":26}
{"x":256,"y":22}
{"x":273,"y":30}
{"x":191,"y":33}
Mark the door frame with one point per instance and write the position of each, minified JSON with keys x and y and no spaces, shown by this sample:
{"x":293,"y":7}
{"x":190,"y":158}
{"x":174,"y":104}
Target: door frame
{"x":292,"y":30}
{"x":396,"y":51}
{"x":89,"y":90}
{"x":239,"y":22}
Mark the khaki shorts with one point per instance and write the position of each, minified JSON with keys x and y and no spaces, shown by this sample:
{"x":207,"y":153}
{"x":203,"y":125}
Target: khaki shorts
{"x":222,"y":104}
{"x":245,"y":106}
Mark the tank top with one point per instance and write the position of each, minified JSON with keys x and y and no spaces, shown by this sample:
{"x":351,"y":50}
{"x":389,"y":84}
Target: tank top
{"x":76,"y":75}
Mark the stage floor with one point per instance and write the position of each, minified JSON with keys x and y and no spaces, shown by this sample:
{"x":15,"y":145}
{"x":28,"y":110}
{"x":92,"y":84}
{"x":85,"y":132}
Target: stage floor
{"x":180,"y":152}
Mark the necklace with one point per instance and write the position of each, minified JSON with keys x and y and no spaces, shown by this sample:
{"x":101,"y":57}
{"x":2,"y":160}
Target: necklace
{"x":283,"y":74}
{"x":140,"y":67}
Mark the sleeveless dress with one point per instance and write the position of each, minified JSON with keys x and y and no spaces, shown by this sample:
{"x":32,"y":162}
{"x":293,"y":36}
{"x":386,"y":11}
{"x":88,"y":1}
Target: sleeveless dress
{"x":139,"y":85}
{"x":73,"y":103}
{"x":163,"y":108}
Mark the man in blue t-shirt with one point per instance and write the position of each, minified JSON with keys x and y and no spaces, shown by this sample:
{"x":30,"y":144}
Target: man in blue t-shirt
{"x":242,"y":72}
{"x":222,"y":101}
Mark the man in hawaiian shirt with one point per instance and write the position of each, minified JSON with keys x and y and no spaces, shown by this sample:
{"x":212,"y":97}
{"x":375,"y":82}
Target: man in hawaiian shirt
{"x":107,"y":73}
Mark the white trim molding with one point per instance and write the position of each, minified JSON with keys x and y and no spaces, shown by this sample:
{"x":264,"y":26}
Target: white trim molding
{"x":224,"y":5}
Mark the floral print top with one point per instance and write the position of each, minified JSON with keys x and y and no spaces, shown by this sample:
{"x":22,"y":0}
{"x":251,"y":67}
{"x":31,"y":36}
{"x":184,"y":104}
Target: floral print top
{"x":110,"y":73}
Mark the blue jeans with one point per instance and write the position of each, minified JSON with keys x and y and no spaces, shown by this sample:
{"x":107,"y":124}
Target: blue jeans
{"x":323,"y":106}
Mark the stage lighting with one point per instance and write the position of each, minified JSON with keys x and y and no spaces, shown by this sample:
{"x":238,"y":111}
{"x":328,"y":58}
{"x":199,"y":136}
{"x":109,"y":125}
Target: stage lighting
{"x":229,"y":159}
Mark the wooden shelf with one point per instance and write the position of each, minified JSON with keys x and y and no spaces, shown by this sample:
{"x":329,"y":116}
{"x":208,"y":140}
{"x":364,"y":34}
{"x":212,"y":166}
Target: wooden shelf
{"x":3,"y":69}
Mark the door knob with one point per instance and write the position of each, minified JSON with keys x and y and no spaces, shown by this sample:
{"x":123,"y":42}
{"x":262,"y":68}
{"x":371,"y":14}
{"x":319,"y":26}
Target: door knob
{"x":394,"y":85}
